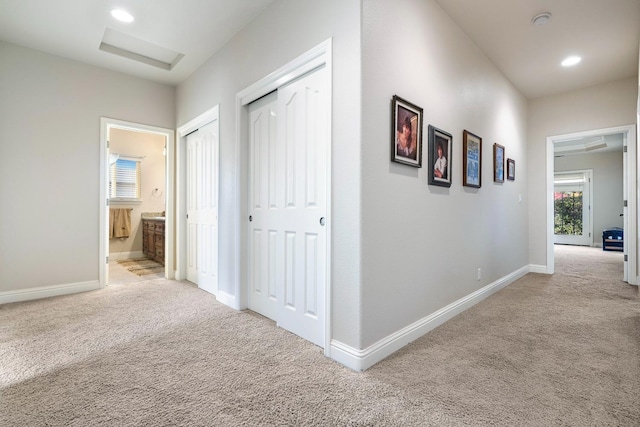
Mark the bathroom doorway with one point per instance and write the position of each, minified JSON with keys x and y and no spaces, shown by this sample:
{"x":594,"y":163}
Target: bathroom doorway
{"x":136,"y":218}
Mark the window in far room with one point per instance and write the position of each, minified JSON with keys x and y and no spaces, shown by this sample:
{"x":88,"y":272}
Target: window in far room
{"x":124,"y":178}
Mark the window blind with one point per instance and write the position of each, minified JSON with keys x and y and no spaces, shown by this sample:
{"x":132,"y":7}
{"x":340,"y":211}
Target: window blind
{"x":124,"y":179}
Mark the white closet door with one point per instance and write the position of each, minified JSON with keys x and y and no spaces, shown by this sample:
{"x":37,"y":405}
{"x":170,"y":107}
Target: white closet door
{"x":265,"y":204}
{"x":202,"y":207}
{"x":303,"y":131}
{"x":289,"y":140}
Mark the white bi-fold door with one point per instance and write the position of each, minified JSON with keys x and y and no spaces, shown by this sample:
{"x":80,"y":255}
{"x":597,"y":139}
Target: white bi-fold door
{"x":288,"y":145}
{"x":202,"y":207}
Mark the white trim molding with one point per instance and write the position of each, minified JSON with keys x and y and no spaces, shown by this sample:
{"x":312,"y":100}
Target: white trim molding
{"x":7,"y":297}
{"x":193,"y":125}
{"x":360,"y":360}
{"x":542,"y":269}
{"x":227,"y":299}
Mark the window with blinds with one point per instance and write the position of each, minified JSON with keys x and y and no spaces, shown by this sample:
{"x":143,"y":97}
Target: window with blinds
{"x":124,"y":179}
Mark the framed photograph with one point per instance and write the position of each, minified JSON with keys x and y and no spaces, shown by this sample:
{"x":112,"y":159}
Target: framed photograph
{"x":440,"y":147}
{"x":511,"y":169}
{"x":498,"y":163}
{"x":406,"y":132}
{"x":471,"y":160}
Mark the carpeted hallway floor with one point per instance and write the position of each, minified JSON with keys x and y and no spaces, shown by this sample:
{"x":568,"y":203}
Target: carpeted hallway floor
{"x":561,"y":350}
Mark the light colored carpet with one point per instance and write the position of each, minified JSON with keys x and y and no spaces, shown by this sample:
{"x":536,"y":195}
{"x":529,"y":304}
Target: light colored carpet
{"x":545,"y":351}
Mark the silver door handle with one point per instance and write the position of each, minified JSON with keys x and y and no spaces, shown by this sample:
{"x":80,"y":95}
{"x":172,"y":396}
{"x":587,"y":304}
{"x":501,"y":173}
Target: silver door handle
{"x":322,"y":221}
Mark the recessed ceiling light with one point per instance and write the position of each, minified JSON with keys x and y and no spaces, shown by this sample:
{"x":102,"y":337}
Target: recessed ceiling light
{"x":122,"y":15}
{"x":542,"y":19}
{"x":570,"y":61}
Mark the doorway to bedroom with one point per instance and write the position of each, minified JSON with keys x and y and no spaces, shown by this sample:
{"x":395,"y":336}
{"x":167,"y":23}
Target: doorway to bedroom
{"x":591,"y":195}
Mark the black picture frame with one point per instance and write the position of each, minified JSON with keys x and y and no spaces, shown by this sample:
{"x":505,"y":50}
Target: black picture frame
{"x":471,"y":160}
{"x":440,"y":149}
{"x":511,"y":169}
{"x":498,"y":163}
{"x":406,"y":132}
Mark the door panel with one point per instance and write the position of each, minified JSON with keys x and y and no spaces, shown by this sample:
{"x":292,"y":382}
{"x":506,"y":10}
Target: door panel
{"x":290,"y":270}
{"x":311,"y":279}
{"x":192,"y":253}
{"x":202,"y":207}
{"x":302,"y":111}
{"x":193,"y":185}
{"x":288,"y":147}
{"x":265,"y":205}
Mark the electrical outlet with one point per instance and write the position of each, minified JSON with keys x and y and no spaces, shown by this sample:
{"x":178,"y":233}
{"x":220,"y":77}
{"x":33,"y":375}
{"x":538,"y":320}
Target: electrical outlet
{"x":479,"y":274}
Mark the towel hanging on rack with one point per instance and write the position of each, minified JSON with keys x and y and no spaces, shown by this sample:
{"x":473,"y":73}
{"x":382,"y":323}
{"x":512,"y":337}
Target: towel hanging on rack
{"x":119,"y":222}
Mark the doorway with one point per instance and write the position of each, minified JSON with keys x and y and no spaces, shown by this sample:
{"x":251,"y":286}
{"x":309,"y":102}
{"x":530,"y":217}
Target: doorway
{"x":127,"y":162}
{"x":626,"y":205}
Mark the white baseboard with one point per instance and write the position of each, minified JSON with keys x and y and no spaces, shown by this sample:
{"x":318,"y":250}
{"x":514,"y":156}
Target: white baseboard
{"x":7,"y":297}
{"x":227,"y":299}
{"x":360,"y":360}
{"x":118,"y":256}
{"x":533,"y":268}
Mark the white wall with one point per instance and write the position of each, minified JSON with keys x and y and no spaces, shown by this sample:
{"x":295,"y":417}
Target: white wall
{"x":606,"y":200}
{"x":152,"y":177}
{"x":421,"y":244}
{"x":284,"y":31}
{"x":602,"y":106}
{"x":50,"y":111}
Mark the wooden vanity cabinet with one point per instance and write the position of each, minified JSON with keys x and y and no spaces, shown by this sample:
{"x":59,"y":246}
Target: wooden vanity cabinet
{"x":153,"y":239}
{"x":159,"y":242}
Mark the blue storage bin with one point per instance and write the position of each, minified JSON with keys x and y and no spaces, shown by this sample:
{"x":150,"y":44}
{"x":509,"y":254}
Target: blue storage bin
{"x":613,"y":239}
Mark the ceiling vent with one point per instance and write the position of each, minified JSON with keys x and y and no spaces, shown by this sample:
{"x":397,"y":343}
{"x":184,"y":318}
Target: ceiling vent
{"x":139,"y":50}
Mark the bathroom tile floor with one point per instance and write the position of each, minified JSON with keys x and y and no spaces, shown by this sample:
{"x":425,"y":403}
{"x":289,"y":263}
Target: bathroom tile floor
{"x":118,"y":275}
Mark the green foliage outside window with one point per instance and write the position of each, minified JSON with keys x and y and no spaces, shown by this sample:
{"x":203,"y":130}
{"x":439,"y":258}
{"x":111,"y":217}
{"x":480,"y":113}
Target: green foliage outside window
{"x":568,"y":213}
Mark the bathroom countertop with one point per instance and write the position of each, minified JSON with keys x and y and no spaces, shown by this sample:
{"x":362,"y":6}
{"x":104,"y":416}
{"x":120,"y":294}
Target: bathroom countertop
{"x":153,"y":215}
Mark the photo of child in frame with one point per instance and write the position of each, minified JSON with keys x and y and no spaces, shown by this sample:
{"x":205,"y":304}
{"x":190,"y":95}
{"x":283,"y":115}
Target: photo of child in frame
{"x":406,"y":132}
{"x":440,"y":146}
{"x":406,"y":135}
{"x":440,"y":167}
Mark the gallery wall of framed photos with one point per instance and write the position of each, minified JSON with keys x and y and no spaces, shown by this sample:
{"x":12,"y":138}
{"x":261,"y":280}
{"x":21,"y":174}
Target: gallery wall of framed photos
{"x":406,"y":148}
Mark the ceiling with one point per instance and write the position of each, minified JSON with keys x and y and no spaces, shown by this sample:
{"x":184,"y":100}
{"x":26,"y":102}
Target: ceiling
{"x":75,"y":28}
{"x":588,"y":145}
{"x":605,"y":33}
